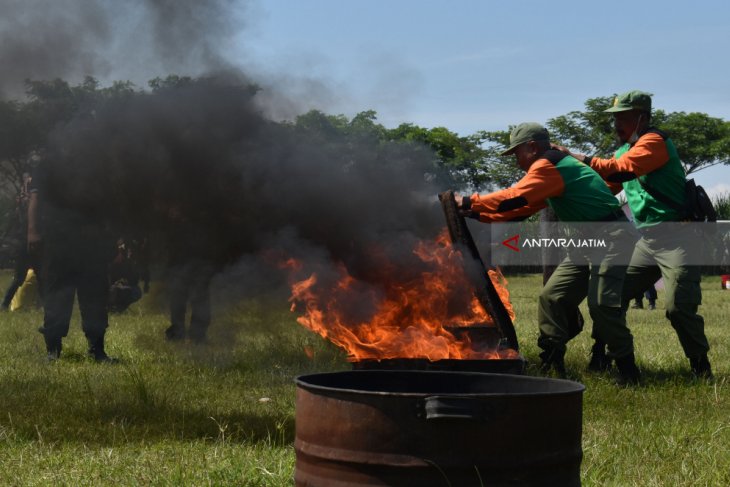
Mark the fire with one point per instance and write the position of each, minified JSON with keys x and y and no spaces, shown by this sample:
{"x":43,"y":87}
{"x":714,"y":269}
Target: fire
{"x":393,"y":316}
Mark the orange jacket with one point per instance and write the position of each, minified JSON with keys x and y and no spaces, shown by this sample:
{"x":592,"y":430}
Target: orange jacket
{"x":648,"y":154}
{"x":527,"y":196}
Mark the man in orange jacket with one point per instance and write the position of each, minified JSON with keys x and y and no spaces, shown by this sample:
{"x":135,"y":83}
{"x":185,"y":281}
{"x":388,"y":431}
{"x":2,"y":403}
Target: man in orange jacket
{"x":648,"y":169}
{"x":577,"y":194}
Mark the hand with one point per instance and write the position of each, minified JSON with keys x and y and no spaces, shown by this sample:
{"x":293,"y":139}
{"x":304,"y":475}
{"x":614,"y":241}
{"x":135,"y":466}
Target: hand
{"x":560,"y":148}
{"x":459,"y":200}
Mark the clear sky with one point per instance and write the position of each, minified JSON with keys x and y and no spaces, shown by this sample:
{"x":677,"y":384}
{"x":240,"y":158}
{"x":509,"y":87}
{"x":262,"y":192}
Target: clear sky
{"x":473,"y":65}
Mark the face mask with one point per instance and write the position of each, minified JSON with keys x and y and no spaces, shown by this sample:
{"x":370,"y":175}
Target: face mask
{"x":635,"y":135}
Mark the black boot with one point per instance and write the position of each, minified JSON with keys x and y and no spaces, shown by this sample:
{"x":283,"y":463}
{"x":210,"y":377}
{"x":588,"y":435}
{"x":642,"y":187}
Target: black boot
{"x":553,"y":359}
{"x":97,"y":352}
{"x":53,"y":349}
{"x":628,"y":371}
{"x":600,"y":362}
{"x":701,"y":367}
{"x":53,"y":345}
{"x":175,"y":334}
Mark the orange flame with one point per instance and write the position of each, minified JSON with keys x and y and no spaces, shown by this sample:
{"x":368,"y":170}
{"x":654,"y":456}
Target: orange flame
{"x":397,"y":318}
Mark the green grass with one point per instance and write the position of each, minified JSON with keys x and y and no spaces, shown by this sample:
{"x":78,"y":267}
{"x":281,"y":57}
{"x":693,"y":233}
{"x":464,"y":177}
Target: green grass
{"x":223,"y":414}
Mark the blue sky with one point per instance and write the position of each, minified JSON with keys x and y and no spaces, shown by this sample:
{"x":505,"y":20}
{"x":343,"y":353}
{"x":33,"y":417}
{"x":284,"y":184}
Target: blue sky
{"x":471,"y":65}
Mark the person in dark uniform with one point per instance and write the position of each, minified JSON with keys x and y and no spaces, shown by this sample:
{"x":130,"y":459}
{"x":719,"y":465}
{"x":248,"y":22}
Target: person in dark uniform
{"x":192,"y":263}
{"x":19,"y":231}
{"x":650,"y":294}
{"x":76,"y":251}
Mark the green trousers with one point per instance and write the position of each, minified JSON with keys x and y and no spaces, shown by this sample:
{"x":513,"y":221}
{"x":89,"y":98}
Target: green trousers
{"x":597,"y":276}
{"x":666,"y":258}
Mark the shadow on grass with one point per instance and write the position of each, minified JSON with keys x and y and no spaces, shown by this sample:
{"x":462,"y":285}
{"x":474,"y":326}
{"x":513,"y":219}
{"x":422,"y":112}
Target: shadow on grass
{"x":60,"y":413}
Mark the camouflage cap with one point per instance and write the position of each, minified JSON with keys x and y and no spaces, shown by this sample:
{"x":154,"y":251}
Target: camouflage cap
{"x":631,"y":100}
{"x":525,"y":132}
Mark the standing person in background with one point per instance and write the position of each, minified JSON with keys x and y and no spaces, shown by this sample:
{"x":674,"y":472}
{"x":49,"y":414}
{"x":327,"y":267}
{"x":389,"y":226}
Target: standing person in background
{"x":577,"y":194}
{"x":191,"y":266}
{"x":650,"y":295}
{"x":648,"y":169}
{"x":76,"y":250}
{"x":19,"y":231}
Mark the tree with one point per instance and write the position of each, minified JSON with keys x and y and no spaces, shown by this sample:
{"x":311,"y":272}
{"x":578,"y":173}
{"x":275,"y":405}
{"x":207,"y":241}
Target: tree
{"x":464,"y":159}
{"x":702,"y":141}
{"x":461,"y":161}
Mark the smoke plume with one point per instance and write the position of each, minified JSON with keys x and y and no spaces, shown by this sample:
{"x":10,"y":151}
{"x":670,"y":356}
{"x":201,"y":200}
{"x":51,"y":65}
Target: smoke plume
{"x":249,"y":190}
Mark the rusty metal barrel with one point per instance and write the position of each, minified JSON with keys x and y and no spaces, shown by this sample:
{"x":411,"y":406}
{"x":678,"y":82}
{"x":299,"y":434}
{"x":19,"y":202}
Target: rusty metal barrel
{"x":433,"y":428}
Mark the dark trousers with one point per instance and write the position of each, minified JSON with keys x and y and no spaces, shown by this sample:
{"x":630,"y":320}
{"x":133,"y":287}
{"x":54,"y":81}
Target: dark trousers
{"x":71,"y":268}
{"x":189,"y":282}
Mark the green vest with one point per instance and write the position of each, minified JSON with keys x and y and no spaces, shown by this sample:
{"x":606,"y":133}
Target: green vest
{"x":668,"y":180}
{"x":586,"y":196}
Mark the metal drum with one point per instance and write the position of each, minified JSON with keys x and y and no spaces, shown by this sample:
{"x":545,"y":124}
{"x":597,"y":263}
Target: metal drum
{"x":433,"y":428}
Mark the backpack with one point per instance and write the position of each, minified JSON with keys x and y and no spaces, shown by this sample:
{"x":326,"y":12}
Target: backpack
{"x":697,"y":204}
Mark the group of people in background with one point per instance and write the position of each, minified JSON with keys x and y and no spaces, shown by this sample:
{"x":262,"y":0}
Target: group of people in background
{"x":581,"y":188}
{"x":66,"y":255}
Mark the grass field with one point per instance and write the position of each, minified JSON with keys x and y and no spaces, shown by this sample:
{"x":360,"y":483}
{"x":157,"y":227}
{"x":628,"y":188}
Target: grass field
{"x":223,"y":414}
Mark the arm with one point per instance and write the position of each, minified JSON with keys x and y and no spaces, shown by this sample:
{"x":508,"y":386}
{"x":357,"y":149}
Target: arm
{"x":526,"y":197}
{"x":647,"y":155}
{"x":34,"y":235}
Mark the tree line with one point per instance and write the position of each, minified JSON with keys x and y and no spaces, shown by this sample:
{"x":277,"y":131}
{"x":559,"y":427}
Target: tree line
{"x":470,"y":162}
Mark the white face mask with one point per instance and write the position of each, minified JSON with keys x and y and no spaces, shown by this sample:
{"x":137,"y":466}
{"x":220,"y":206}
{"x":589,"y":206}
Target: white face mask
{"x":635,"y":135}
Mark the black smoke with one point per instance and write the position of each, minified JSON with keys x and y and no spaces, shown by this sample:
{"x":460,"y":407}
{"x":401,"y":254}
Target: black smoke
{"x":250,"y":189}
{"x":132,"y":40}
{"x":203,"y":148}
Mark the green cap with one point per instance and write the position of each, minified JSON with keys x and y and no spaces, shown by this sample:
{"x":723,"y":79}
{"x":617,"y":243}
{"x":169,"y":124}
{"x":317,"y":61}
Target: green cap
{"x":525,"y":132}
{"x":631,"y":100}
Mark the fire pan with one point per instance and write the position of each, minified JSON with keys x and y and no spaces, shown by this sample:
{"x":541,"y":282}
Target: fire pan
{"x":482,"y":339}
{"x":374,"y":428}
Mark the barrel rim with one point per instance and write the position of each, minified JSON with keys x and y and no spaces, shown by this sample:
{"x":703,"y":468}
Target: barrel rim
{"x":574,"y":386}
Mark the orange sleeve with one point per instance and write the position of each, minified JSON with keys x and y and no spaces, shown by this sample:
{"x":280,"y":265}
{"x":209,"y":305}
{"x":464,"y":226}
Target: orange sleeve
{"x":526,"y":197}
{"x":648,"y":154}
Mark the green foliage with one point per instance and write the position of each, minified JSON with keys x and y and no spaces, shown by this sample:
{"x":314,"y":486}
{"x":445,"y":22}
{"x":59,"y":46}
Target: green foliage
{"x":589,"y":131}
{"x":721,"y":202}
{"x":459,"y":160}
{"x":469,"y":162}
{"x":500,"y":171}
{"x":702,"y":141}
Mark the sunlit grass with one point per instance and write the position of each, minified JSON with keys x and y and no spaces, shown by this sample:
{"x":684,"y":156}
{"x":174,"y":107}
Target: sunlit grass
{"x":223,"y":414}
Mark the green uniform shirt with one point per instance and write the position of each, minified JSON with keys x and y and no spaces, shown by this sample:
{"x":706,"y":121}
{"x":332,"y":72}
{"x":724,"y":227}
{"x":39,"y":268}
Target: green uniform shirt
{"x":586,"y":196}
{"x":668,"y":180}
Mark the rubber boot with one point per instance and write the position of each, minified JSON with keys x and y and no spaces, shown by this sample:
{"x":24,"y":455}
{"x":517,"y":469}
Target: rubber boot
{"x":175,"y":334}
{"x":701,"y":367}
{"x":600,"y":362}
{"x":553,"y":359}
{"x":53,"y":349}
{"x":628,"y":371}
{"x":97,"y":352}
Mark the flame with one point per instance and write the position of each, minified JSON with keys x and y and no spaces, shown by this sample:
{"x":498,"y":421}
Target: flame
{"x":396,"y":317}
